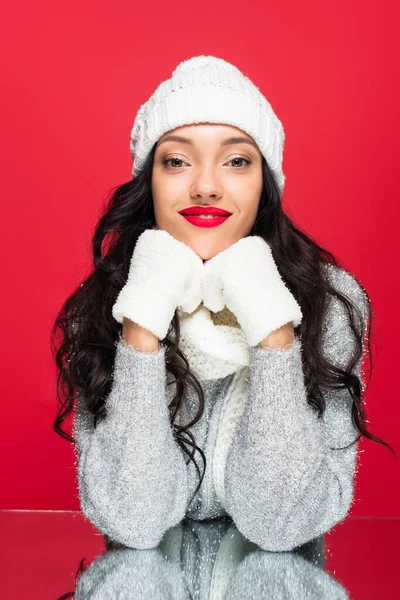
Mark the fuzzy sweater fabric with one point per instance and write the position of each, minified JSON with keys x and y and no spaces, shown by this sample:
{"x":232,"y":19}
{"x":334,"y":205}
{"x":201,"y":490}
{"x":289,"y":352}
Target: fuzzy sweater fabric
{"x":272,"y":465}
{"x":210,"y":560}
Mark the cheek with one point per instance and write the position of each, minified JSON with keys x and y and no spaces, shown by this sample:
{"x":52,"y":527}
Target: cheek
{"x":249,"y":183}
{"x":166,"y":201}
{"x":161,"y":195}
{"x":246,"y":194}
{"x":255,"y":192}
{"x":167,"y":190}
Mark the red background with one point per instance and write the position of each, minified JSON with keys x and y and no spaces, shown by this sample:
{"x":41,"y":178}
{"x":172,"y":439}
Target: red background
{"x":74,"y":76}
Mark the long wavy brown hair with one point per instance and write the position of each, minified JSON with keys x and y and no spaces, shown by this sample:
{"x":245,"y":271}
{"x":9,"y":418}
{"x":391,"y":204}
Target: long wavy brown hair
{"x":84,"y":332}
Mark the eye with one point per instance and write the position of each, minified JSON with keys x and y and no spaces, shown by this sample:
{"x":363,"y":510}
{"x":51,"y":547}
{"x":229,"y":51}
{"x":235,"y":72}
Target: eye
{"x":166,"y":161}
{"x":239,"y":158}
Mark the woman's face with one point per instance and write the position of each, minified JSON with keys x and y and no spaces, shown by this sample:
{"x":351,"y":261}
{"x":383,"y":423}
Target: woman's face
{"x":207,"y":166}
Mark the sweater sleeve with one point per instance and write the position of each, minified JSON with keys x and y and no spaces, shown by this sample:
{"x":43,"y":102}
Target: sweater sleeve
{"x":132,"y":475}
{"x":284,"y":484}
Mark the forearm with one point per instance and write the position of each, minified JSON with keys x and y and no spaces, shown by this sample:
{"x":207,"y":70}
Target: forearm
{"x":277,"y":468}
{"x":132,"y":475}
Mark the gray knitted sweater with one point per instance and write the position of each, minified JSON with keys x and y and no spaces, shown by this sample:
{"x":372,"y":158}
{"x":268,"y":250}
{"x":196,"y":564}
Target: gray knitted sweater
{"x":209,"y":560}
{"x":285,"y":484}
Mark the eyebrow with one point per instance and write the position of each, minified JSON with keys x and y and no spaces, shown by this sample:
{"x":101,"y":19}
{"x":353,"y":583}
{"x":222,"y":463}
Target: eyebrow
{"x":227,"y":142}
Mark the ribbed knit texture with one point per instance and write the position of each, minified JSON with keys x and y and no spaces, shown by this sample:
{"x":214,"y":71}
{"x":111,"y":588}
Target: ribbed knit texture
{"x":281,"y":483}
{"x":208,"y":89}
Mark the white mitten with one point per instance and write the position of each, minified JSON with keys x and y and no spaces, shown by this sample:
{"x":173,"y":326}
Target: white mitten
{"x":245,"y":278}
{"x":164,"y":274}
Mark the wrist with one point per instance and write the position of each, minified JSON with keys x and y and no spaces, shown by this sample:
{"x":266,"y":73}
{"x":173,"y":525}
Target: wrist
{"x":139,"y":337}
{"x":279,"y":338}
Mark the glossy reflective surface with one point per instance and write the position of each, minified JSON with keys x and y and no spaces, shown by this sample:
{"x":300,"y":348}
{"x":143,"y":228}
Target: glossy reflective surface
{"x":43,"y":552}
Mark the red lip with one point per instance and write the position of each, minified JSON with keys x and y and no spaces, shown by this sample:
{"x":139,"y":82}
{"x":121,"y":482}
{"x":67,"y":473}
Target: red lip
{"x":204,"y":210}
{"x":211,"y":222}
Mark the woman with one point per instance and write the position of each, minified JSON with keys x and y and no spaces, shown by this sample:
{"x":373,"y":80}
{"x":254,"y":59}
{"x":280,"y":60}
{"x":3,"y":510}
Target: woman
{"x":234,"y":335}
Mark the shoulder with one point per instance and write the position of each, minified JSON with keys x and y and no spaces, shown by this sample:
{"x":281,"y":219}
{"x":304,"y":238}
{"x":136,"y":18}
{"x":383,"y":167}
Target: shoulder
{"x":346,"y":283}
{"x":338,"y":338}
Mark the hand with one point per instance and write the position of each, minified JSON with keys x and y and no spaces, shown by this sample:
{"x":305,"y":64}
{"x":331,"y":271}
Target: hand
{"x":164,"y":274}
{"x":245,"y":278}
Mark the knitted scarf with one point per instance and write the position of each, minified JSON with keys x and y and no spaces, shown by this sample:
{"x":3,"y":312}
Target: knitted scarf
{"x":215,"y":346}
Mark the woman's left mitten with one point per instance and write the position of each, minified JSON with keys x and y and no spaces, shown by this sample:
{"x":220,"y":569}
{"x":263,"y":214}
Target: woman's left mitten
{"x":245,"y":278}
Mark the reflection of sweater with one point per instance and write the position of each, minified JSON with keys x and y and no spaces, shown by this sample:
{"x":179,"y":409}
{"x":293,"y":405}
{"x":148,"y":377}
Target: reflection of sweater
{"x":210,"y":559}
{"x":282,"y":484}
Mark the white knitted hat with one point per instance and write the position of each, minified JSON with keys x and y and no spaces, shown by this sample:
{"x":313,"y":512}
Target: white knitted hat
{"x":206,"y":89}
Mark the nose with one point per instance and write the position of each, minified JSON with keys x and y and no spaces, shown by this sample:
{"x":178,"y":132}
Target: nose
{"x":206,"y":186}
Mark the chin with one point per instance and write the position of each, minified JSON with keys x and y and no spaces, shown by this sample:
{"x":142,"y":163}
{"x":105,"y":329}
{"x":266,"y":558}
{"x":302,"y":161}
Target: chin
{"x":204,"y":250}
{"x":205,"y":258}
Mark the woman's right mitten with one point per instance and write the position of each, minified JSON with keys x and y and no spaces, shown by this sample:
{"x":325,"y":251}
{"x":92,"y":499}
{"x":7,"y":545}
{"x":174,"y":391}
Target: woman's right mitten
{"x":164,"y":274}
